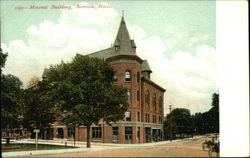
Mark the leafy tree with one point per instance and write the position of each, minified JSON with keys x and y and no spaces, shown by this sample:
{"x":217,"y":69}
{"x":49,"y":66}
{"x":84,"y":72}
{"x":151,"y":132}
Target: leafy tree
{"x":182,"y":119}
{"x":85,"y":90}
{"x":198,"y":123}
{"x":39,"y":109}
{"x":11,"y":96}
{"x":214,"y":114}
{"x":208,"y":122}
{"x":3,"y":58}
{"x":169,"y":126}
{"x":181,"y":122}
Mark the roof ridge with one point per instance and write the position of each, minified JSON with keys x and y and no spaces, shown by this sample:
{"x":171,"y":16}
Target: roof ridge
{"x":99,"y":50}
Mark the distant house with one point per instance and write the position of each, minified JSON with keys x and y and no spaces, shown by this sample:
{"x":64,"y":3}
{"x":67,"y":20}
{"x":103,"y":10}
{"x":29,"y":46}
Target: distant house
{"x":143,"y":121}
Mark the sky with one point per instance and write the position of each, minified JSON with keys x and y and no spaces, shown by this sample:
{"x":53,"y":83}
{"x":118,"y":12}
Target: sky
{"x":178,"y":38}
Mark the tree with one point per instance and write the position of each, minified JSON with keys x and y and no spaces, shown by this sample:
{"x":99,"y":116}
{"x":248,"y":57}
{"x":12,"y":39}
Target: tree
{"x":181,"y":122}
{"x":208,"y":122}
{"x":11,"y":100}
{"x":39,"y":110}
{"x":85,"y":90}
{"x":198,"y":123}
{"x":3,"y":58}
{"x":214,"y":114}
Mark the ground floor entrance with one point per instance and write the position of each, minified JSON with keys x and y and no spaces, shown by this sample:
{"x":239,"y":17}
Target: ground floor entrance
{"x":123,"y":133}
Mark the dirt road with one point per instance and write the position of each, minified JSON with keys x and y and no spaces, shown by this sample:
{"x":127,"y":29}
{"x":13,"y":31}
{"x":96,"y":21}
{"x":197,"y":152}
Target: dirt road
{"x":185,"y":148}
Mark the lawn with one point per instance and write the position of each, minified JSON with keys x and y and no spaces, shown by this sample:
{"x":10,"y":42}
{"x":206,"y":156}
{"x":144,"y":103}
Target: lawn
{"x":27,"y":147}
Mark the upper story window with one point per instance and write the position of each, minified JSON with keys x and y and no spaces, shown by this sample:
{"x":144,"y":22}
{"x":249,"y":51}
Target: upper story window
{"x":138,"y":95}
{"x":147,"y":97}
{"x":128,"y":93}
{"x":127,"y":116}
{"x":160,"y":102}
{"x":138,"y":77}
{"x":127,"y":75}
{"x":154,"y":101}
{"x":115,"y":77}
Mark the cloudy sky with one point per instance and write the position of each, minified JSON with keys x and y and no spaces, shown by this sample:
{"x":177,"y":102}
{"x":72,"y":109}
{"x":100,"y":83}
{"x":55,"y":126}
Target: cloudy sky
{"x":176,"y":37}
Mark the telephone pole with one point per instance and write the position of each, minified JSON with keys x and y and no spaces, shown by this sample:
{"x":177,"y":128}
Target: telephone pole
{"x":171,"y":122}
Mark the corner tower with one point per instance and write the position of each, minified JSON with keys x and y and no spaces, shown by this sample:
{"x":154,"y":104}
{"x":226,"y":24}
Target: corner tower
{"x":123,"y":44}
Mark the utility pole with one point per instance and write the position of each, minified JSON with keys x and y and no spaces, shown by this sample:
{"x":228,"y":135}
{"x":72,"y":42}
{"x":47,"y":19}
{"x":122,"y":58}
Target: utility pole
{"x":171,"y":122}
{"x":103,"y":130}
{"x":171,"y":126}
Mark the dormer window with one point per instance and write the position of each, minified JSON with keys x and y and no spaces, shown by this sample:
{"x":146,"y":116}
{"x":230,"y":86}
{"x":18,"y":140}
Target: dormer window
{"x":127,"y":76}
{"x":117,"y":44}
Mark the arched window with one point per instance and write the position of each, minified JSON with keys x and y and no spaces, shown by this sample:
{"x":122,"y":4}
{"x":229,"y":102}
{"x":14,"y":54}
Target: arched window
{"x":147,"y":98}
{"x":127,"y":75}
{"x":160,"y":102}
{"x":115,"y":77}
{"x":154,"y":101}
{"x":138,"y":77}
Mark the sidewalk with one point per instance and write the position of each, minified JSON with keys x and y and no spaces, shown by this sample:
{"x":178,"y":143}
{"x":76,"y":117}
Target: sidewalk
{"x":82,"y":147}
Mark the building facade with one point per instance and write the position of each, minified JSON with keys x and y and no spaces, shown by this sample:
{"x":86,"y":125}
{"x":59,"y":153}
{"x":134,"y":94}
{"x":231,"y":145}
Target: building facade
{"x":143,"y":121}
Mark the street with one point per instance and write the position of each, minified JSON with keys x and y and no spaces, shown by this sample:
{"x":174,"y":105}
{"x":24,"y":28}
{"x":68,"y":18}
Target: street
{"x":184,"y":148}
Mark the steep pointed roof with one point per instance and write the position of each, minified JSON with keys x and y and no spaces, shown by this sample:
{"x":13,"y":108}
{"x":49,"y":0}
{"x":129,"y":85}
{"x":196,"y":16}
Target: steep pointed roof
{"x":122,"y":43}
{"x":145,"y":66}
{"x":121,"y":46}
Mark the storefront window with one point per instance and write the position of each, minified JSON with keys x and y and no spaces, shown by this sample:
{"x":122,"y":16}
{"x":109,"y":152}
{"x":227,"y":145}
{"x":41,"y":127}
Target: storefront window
{"x":114,"y":133}
{"x":128,"y":133}
{"x":96,"y":133}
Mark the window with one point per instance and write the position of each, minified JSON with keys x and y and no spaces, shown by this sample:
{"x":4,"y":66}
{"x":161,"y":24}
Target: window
{"x":128,"y":94}
{"x":128,"y":133}
{"x":115,"y":77}
{"x":138,"y":116}
{"x":147,"y":97}
{"x":96,"y":133}
{"x":160,"y":102}
{"x":138,"y":77}
{"x":127,"y":76}
{"x":147,"y":117}
{"x":70,"y":132}
{"x":60,"y":133}
{"x":160,"y":119}
{"x":138,"y":95}
{"x":127,"y":116}
{"x":114,"y":133}
{"x":154,"y":101}
{"x":154,"y":119}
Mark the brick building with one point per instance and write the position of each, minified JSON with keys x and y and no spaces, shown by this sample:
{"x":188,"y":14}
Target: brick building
{"x":143,"y":121}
